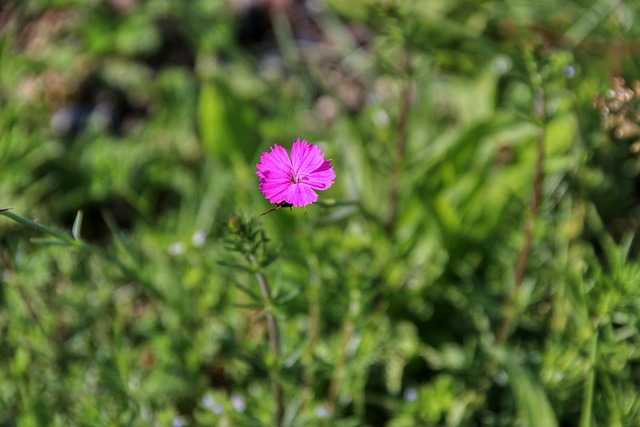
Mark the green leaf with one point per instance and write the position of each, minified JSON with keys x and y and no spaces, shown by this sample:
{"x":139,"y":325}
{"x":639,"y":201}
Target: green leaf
{"x":227,"y":123}
{"x":77,"y":225}
{"x":50,"y":242}
{"x":531,"y":398}
{"x":238,"y":266}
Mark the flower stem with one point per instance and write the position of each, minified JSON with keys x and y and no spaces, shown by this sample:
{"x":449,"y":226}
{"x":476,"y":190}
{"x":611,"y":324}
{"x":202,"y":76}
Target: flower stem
{"x":274,"y":338}
{"x":587,"y":401}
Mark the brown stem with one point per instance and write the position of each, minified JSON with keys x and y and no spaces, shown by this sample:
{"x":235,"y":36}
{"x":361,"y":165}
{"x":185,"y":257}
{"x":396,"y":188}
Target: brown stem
{"x":529,"y":227}
{"x":401,"y":149}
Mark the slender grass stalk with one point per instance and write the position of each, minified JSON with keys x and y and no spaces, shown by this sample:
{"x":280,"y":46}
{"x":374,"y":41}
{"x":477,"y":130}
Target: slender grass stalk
{"x":63,"y":239}
{"x":41,"y":228}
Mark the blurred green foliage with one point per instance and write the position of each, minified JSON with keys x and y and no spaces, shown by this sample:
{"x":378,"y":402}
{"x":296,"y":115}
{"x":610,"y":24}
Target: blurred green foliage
{"x":398,"y":295}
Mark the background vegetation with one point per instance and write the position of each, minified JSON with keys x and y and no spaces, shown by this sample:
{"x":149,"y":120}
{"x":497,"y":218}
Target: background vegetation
{"x":475,"y":262}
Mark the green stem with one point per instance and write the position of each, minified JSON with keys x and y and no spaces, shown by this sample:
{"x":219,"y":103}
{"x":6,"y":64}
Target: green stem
{"x":41,"y":228}
{"x":66,"y":240}
{"x":589,"y":385}
{"x":274,"y":337}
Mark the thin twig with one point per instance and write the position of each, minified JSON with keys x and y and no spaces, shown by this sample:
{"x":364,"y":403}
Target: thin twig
{"x":529,"y":227}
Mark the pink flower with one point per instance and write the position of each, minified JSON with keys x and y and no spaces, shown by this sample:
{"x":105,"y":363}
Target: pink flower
{"x":292,"y":181}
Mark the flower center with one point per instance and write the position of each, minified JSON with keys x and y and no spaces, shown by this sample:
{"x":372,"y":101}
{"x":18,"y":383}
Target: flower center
{"x":297,"y":179}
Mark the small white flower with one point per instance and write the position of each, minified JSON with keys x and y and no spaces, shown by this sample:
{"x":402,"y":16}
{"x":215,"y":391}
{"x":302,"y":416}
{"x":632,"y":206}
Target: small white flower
{"x":210,"y":403}
{"x":238,"y":402}
{"x":176,"y":249}
{"x":380,"y":118}
{"x":199,"y":237}
{"x":178,"y":422}
{"x":322,"y":412}
{"x":411,"y":394}
{"x":569,"y":71}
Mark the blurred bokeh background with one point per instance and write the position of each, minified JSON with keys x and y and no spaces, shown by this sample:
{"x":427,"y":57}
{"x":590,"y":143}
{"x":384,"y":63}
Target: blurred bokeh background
{"x":475,"y":262}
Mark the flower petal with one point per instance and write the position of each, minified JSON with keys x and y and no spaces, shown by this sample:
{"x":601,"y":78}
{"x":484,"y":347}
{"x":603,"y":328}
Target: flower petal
{"x":300,"y":195}
{"x":321,"y":178}
{"x":305,"y":158}
{"x":276,"y":159}
{"x":293,"y":179}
